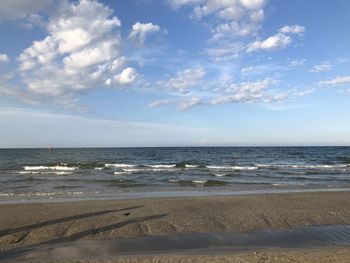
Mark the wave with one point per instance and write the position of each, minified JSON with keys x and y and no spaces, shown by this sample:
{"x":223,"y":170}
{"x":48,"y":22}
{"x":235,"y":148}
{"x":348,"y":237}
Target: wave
{"x":28,"y":172}
{"x":200,"y":182}
{"x":121,"y":173}
{"x":162,"y":166}
{"x":215,"y":167}
{"x":303,"y":166}
{"x":220,"y":175}
{"x":173,"y":180}
{"x":44,"y":194}
{"x":150,"y":166}
{"x":119,"y":165}
{"x":191,"y":165}
{"x":197,"y":183}
{"x":44,"y":172}
{"x":57,"y":167}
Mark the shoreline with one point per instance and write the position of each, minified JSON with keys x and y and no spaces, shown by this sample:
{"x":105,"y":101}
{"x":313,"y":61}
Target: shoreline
{"x":25,"y":226}
{"x":172,"y":194}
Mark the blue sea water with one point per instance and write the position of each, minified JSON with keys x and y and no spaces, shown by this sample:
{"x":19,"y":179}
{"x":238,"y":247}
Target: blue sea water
{"x":38,"y":174}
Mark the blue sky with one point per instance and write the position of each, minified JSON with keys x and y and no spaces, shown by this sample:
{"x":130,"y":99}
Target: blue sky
{"x":174,"y":73}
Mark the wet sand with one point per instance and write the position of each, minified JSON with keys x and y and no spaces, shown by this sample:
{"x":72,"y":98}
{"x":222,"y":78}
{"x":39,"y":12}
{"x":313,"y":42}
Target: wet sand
{"x":24,"y":226}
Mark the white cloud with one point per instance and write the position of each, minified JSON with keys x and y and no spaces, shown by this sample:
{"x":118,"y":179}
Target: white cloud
{"x":294,"y":29}
{"x":233,"y":29}
{"x":158,"y":103}
{"x":184,"y":80}
{"x":141,"y":30}
{"x":4,"y":58}
{"x":297,"y":63}
{"x":188,"y":103}
{"x":179,"y":3}
{"x":225,"y":52}
{"x":182,"y":103}
{"x":18,"y":9}
{"x":82,"y":51}
{"x":276,"y":42}
{"x":235,"y":18}
{"x":247,"y":70}
{"x":91,"y":56}
{"x":326,"y":66}
{"x":337,"y":81}
{"x":126,"y":77}
{"x":227,"y":91}
{"x":255,"y":91}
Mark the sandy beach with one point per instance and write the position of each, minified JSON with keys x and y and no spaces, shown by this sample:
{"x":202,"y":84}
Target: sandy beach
{"x":28,"y":227}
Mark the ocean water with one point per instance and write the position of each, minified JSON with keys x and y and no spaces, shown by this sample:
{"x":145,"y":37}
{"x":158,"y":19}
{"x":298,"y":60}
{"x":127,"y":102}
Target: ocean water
{"x":37,"y":174}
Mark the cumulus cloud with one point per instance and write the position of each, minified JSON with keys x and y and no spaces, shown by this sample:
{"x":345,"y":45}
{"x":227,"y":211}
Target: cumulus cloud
{"x":294,"y":29}
{"x":337,"y":81}
{"x":326,"y":66}
{"x":126,"y":77}
{"x":18,"y":9}
{"x":278,"y":41}
{"x":82,"y":51}
{"x":141,"y":30}
{"x":234,"y":18}
{"x":4,"y":58}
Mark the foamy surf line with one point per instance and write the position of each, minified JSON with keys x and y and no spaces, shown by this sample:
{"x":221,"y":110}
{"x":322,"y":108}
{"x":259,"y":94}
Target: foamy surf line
{"x":44,"y":172}
{"x":215,"y":167}
{"x":56,"y":167}
{"x":95,"y":196}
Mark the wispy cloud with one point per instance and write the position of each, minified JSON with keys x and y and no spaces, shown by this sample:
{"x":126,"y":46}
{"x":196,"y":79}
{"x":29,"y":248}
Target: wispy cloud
{"x":184,"y":80}
{"x":337,"y":81}
{"x":326,"y":66}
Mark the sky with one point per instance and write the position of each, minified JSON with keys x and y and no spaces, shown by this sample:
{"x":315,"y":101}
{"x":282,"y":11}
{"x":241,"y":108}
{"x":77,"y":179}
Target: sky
{"x":103,"y":73}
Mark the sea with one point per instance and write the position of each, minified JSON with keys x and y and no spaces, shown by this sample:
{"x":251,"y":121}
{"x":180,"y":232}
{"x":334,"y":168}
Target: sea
{"x":94,"y":173}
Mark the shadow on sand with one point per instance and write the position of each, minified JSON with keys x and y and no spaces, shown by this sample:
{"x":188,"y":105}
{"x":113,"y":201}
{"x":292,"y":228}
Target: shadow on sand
{"x":16,"y":253}
{"x":61,"y":220}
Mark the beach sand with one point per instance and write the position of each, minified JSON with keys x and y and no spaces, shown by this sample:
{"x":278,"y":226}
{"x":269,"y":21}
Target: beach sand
{"x":24,"y":226}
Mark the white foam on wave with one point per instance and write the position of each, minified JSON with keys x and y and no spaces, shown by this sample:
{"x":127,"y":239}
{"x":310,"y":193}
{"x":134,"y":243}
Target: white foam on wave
{"x":119,"y":165}
{"x":161,"y":170}
{"x":43,"y":194}
{"x":220,"y":175}
{"x":45,"y":172}
{"x":173,"y":180}
{"x":191,"y":166}
{"x":303,"y":166}
{"x":130,"y":170}
{"x":148,"y":167}
{"x":29,"y":172}
{"x":99,"y":168}
{"x":120,"y":173}
{"x":287,"y":184}
{"x":161,"y":166}
{"x":57,"y":167}
{"x":215,"y":167}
